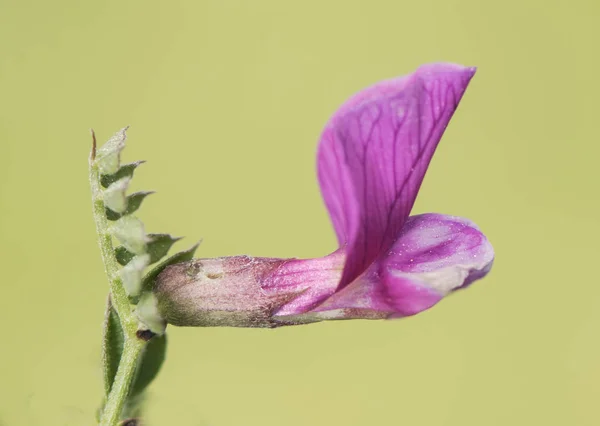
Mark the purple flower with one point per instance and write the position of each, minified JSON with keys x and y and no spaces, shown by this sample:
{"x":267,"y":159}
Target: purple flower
{"x":371,"y":161}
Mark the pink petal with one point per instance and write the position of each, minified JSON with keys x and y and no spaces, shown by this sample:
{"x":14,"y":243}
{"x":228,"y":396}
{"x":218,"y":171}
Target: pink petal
{"x":433,"y":256}
{"x":436,"y":254}
{"x":449,"y":252}
{"x":373,"y":155}
{"x":313,"y":280}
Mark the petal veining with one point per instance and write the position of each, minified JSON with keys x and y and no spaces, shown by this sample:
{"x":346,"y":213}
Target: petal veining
{"x":374,"y":152}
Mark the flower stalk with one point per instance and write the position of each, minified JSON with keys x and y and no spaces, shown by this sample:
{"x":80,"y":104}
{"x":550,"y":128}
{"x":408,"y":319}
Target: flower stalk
{"x":123,"y":381}
{"x":119,"y":298}
{"x":134,"y":340}
{"x":133,"y":346}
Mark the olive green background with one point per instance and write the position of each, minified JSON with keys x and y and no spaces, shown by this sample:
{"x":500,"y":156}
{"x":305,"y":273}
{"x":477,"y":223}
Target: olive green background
{"x":226,"y":100}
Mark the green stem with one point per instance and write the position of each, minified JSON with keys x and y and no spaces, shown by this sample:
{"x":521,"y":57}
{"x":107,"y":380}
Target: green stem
{"x":119,"y":296}
{"x":133,"y":345}
{"x":120,"y":388}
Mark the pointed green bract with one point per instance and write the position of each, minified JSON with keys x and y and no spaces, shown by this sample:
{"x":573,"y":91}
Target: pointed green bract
{"x":123,"y":255}
{"x":134,"y":201}
{"x":112,"y":216}
{"x":182,"y":256}
{"x":129,"y":230}
{"x":157,"y":246}
{"x":126,"y":170}
{"x":132,"y":273}
{"x":108,"y":156}
{"x":114,"y":196}
{"x":134,"y":343}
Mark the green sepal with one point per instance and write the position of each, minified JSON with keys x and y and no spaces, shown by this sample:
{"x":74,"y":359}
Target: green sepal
{"x":126,"y":170}
{"x":157,"y":247}
{"x":134,"y":201}
{"x":182,"y":256}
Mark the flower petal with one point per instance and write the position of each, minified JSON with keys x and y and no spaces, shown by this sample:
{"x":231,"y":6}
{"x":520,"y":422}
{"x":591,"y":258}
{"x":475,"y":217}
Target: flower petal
{"x":445,"y":252}
{"x":313,"y":280}
{"x":373,"y":155}
{"x":434,"y":255}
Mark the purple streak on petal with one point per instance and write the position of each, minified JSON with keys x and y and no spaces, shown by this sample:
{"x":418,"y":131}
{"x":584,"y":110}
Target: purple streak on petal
{"x":390,"y":299}
{"x":437,"y":253}
{"x":363,"y":298}
{"x":364,"y":293}
{"x":374,"y":153}
{"x":433,"y":241}
{"x":314,"y":280}
{"x":409,"y":296}
{"x":434,"y":255}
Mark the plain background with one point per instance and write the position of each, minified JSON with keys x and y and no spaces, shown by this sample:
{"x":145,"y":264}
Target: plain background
{"x":226,"y":100}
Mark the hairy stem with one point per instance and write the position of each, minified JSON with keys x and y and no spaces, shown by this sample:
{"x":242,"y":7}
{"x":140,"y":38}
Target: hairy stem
{"x":125,"y":375}
{"x":119,"y":297}
{"x":133,"y":345}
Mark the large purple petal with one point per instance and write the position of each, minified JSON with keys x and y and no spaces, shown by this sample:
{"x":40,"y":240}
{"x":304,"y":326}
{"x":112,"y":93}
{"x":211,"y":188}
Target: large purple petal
{"x":433,"y":256}
{"x":373,"y":155}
